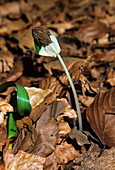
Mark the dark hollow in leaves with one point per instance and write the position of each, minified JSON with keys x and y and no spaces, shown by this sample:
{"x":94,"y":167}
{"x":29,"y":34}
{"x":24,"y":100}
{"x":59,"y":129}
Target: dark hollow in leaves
{"x":41,"y":36}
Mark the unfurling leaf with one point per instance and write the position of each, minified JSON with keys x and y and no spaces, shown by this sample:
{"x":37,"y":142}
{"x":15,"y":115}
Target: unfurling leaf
{"x":101,"y":116}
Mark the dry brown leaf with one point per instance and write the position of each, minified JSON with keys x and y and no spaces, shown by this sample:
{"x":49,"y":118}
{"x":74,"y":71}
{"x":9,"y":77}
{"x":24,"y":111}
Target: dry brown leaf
{"x":111,"y":77}
{"x":64,"y":128}
{"x":68,"y":111}
{"x":4,"y":108}
{"x":106,"y":56}
{"x":36,"y":95}
{"x":23,"y":160}
{"x":101,"y":116}
{"x":24,"y":38}
{"x":50,"y":163}
{"x":86,"y":100}
{"x":75,"y":70}
{"x":61,"y":27}
{"x":56,"y":108}
{"x":6,"y":61}
{"x":46,"y":140}
{"x":15,"y":72}
{"x":91,"y":30}
{"x":9,"y":8}
{"x":55,"y":64}
{"x":23,"y":141}
{"x":3,"y":136}
{"x":66,"y":152}
{"x":10,"y":26}
{"x":80,"y":136}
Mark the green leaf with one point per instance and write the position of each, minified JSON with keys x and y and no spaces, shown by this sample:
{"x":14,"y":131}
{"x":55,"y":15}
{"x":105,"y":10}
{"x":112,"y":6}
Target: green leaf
{"x":36,"y":48}
{"x":23,"y":104}
{"x":11,"y":127}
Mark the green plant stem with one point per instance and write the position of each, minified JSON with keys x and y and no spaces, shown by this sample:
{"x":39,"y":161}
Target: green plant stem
{"x":74,"y":92}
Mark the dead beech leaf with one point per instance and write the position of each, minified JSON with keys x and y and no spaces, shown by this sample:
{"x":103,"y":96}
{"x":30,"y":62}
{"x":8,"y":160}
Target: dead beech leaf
{"x":80,"y":137}
{"x":3,"y":136}
{"x":39,"y":100}
{"x":11,"y":26}
{"x":23,"y":160}
{"x":111,"y":77}
{"x":75,"y":70}
{"x":8,"y":8}
{"x":55,"y":64}
{"x":68,"y":111}
{"x":46,"y":141}
{"x":86,"y":100}
{"x":66,"y":152}
{"x":39,"y":110}
{"x":56,"y":108}
{"x":23,"y":141}
{"x":91,"y":30}
{"x":50,"y":163}
{"x":14,"y":73}
{"x":7,"y":60}
{"x":25,"y":38}
{"x":36,"y":95}
{"x":61,"y":27}
{"x":101,"y":116}
{"x":64,"y":128}
{"x":4,"y":108}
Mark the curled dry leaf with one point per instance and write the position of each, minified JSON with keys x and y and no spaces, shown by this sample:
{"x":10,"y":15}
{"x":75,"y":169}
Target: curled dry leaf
{"x":4,"y":108}
{"x":101,"y":116}
{"x":66,"y":152}
{"x":64,"y":128}
{"x":23,"y":160}
{"x":68,"y":111}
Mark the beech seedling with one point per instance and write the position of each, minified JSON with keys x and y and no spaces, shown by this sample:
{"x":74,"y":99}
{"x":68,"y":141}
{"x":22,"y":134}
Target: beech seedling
{"x":46,"y":44}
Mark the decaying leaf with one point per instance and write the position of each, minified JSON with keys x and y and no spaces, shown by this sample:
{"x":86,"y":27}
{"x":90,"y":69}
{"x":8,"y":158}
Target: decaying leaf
{"x":101,"y":116}
{"x":80,"y":137}
{"x":3,"y":136}
{"x":23,"y":141}
{"x":46,"y":141}
{"x":23,"y":160}
{"x":66,"y":152}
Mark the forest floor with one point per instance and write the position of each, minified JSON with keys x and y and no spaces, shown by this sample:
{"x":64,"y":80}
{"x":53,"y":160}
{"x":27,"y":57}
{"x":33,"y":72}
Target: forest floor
{"x":49,"y":137}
